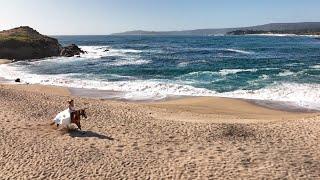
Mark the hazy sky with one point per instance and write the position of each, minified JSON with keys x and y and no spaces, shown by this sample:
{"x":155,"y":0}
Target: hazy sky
{"x":108,"y":16}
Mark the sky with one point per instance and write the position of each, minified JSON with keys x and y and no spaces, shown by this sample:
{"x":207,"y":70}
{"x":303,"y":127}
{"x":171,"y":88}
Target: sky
{"x":100,"y":17}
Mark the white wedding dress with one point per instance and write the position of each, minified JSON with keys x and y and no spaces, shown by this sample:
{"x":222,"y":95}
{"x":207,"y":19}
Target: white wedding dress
{"x":63,"y":117}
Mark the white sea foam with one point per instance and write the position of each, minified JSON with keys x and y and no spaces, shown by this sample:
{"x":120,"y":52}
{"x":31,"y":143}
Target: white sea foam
{"x":183,"y":64}
{"x":222,"y":72}
{"x":220,"y":49}
{"x":286,"y":73}
{"x":304,"y":95}
{"x":95,"y":52}
{"x":124,"y":62}
{"x":264,"y":77}
{"x":315,"y":66}
{"x":186,"y":63}
{"x":197,"y":73}
{"x":134,"y":89}
{"x":125,"y":56}
{"x":238,"y":51}
{"x":153,"y":89}
{"x":105,"y":51}
{"x":225,"y":72}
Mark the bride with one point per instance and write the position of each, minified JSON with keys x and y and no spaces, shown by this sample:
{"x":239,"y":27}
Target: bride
{"x":64,"y":117}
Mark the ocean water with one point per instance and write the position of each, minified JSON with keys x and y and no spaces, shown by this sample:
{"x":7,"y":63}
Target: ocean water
{"x":276,"y":68}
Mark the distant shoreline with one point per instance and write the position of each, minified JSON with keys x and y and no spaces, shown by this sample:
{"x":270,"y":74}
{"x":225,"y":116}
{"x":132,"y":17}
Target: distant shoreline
{"x":297,"y":28}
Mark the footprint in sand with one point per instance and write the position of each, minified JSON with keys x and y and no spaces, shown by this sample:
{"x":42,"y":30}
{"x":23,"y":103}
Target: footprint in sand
{"x":183,"y":150}
{"x":119,"y":150}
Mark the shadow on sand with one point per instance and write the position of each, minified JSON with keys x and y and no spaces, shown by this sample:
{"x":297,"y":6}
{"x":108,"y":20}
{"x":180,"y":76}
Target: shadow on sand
{"x":76,"y":133}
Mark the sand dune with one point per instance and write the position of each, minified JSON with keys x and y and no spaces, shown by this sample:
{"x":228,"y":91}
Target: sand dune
{"x":195,"y":138}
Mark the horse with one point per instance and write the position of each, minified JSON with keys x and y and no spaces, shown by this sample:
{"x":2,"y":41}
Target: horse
{"x":76,"y":116}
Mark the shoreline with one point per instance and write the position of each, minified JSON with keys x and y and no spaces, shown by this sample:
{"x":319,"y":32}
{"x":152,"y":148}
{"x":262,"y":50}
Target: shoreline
{"x":185,"y":108}
{"x":116,"y":96}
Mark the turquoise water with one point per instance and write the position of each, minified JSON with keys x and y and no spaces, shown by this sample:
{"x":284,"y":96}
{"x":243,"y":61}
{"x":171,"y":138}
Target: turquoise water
{"x":154,"y":67}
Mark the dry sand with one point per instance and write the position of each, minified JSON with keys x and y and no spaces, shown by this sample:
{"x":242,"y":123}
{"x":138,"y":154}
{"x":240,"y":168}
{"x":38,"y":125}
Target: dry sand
{"x":192,"y":138}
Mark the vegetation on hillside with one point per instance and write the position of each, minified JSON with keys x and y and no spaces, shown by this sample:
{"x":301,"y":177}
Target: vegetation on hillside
{"x":23,"y":33}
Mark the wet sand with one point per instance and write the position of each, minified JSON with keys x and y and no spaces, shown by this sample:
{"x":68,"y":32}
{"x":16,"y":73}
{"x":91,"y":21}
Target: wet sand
{"x":188,"y":138}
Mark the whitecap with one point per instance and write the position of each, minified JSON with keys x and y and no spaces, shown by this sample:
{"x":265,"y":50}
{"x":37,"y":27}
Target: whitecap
{"x":315,"y":66}
{"x":225,"y":72}
{"x":124,"y":62}
{"x":286,"y":73}
{"x":238,"y":51}
{"x":183,"y":64}
{"x":95,"y":52}
{"x":264,"y":77}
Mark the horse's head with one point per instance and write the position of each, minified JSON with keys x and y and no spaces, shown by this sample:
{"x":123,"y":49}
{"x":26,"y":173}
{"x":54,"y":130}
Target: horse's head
{"x":83,"y":113}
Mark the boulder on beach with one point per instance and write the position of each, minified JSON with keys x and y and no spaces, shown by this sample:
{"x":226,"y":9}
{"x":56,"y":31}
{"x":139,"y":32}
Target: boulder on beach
{"x":17,"y":80}
{"x":24,"y":43}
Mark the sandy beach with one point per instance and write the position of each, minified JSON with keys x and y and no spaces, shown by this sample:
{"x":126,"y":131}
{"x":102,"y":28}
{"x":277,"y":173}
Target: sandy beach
{"x":188,"y":138}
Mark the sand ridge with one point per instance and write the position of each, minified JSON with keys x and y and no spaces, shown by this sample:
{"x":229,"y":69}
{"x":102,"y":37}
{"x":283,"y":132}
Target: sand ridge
{"x":130,"y":141}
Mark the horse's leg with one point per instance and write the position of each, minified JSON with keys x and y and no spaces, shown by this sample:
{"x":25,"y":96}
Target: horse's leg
{"x":72,"y":117}
{"x":79,"y":125}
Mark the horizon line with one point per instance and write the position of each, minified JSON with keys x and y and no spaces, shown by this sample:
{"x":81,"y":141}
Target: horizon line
{"x":172,"y":30}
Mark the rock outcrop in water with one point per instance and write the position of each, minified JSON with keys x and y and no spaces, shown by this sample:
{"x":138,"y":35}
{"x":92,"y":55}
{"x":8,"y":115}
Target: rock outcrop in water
{"x":71,"y":50}
{"x":26,"y":43}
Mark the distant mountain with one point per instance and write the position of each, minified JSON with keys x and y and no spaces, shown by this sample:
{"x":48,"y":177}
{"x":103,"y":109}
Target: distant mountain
{"x":272,"y":27}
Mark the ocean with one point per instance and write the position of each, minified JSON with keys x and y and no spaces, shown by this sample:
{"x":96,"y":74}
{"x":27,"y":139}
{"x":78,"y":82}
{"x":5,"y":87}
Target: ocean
{"x":273,"y":68}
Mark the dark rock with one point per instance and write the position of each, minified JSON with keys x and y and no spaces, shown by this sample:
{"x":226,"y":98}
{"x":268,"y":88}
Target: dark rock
{"x":106,"y":50}
{"x":71,"y":50}
{"x":17,"y":80}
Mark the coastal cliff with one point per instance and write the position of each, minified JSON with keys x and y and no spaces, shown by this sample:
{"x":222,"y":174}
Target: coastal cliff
{"x":24,"y":43}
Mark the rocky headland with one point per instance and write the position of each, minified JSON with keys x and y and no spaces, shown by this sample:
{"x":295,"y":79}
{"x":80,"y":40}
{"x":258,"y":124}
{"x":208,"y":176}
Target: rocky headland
{"x":24,"y":43}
